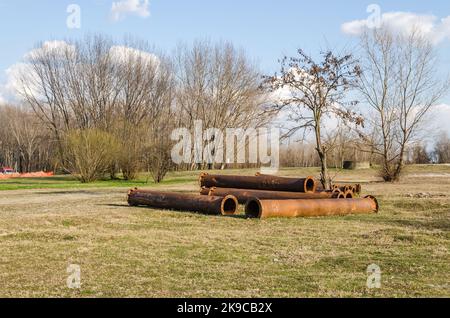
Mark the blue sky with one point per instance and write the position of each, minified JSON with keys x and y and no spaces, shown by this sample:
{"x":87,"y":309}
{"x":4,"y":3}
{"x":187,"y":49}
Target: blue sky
{"x":266,"y":29}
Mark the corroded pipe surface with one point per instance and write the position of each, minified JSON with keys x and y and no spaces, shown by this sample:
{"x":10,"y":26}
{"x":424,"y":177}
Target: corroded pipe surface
{"x":243,"y":195}
{"x":227,"y":205}
{"x":356,"y":188}
{"x":262,"y":182}
{"x":349,"y":194}
{"x":256,"y":208}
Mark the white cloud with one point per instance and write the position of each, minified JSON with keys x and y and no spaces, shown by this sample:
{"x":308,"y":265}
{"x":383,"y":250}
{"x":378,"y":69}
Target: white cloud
{"x":121,"y":54}
{"x":16,"y":72}
{"x":22,"y":70}
{"x":121,"y":9}
{"x":404,"y":22}
{"x":440,"y":118}
{"x":55,"y":47}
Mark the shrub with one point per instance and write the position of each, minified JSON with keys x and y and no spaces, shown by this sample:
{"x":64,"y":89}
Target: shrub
{"x":89,"y":153}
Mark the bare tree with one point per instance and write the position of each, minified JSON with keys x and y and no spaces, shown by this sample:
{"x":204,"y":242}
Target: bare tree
{"x":314,"y":90}
{"x":400,"y":85}
{"x":441,"y":151}
{"x":219,"y":85}
{"x":95,"y":83}
{"x":24,"y":142}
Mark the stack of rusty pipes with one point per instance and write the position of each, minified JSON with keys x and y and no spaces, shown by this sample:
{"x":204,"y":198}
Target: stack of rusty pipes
{"x":273,"y":196}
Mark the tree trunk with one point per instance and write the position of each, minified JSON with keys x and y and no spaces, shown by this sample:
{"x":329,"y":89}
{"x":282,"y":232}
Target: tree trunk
{"x":324,"y":169}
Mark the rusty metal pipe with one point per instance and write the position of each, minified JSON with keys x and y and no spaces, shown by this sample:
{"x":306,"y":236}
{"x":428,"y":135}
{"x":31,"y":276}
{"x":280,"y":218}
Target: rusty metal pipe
{"x":227,"y":205}
{"x":341,"y":195}
{"x":349,"y":194}
{"x":243,"y":195}
{"x":263,"y":182}
{"x":256,"y":208}
{"x":356,"y":188}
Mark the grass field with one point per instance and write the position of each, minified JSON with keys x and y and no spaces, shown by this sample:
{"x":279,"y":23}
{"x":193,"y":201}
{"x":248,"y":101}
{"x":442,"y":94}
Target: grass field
{"x":47,"y":224}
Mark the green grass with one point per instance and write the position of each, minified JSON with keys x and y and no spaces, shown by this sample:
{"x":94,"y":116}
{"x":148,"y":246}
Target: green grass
{"x":172,"y":178}
{"x":70,"y":182}
{"x":142,"y":252}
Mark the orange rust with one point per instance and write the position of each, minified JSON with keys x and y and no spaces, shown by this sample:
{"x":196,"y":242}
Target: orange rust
{"x":355,"y":188}
{"x":349,"y":194}
{"x":256,"y":208}
{"x":243,"y":195}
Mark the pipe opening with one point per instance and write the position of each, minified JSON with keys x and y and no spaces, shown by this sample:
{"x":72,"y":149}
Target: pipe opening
{"x":310,"y":185}
{"x":229,"y":205}
{"x":253,"y":208}
{"x":349,"y":194}
{"x":375,"y":201}
{"x":341,"y":196}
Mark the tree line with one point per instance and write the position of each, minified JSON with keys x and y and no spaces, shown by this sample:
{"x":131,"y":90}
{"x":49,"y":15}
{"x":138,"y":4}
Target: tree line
{"x":97,"y":107}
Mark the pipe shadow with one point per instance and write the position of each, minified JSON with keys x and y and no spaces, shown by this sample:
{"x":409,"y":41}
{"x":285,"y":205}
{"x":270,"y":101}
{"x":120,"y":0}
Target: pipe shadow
{"x":237,"y":216}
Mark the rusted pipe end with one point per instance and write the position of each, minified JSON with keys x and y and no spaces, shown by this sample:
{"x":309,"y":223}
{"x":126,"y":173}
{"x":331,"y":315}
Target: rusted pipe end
{"x":253,"y":208}
{"x":229,"y":205}
{"x":130,"y":192}
{"x":348,"y":194}
{"x":201,"y":176}
{"x":257,"y":174}
{"x":310,"y":184}
{"x":341,"y":195}
{"x":204,"y":191}
{"x":335,"y":193}
{"x":211,"y":191}
{"x":377,"y":206}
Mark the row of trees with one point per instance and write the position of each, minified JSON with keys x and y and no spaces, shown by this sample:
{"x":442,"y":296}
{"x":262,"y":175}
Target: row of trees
{"x":95,"y":107}
{"x":304,"y":154}
{"x":24,"y":143}
{"x":111,"y":107}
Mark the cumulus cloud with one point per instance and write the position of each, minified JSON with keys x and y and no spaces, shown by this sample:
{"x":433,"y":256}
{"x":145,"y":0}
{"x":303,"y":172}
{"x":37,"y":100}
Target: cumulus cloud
{"x":440,"y":117}
{"x":22,"y":70}
{"x":53,"y":47}
{"x":429,"y":25}
{"x":120,"y":54}
{"x":121,"y":9}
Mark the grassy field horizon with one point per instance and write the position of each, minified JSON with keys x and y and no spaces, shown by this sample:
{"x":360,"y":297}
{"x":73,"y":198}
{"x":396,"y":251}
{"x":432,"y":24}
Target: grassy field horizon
{"x":180,"y":177}
{"x":46,"y":225}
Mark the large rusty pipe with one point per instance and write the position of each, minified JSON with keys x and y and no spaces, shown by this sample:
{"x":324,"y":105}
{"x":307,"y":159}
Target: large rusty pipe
{"x":256,"y":208}
{"x":227,"y":205}
{"x":243,"y":195}
{"x":263,"y":182}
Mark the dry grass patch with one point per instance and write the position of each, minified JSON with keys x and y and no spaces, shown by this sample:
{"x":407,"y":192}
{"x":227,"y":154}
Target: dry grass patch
{"x":142,"y":252}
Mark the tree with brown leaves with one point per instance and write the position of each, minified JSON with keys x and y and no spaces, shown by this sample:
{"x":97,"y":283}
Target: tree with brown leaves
{"x":312,"y":90}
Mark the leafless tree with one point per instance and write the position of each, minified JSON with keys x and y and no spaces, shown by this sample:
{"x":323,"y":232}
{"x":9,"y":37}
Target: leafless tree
{"x":24,"y":142}
{"x":96,"y":83}
{"x":441,"y":152}
{"x":314,"y":90}
{"x":400,"y":85}
{"x":219,"y":85}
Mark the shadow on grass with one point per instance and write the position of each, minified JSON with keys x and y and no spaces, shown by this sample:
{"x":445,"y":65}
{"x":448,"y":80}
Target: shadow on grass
{"x":237,"y":216}
{"x":439,"y":224}
{"x":90,"y":192}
